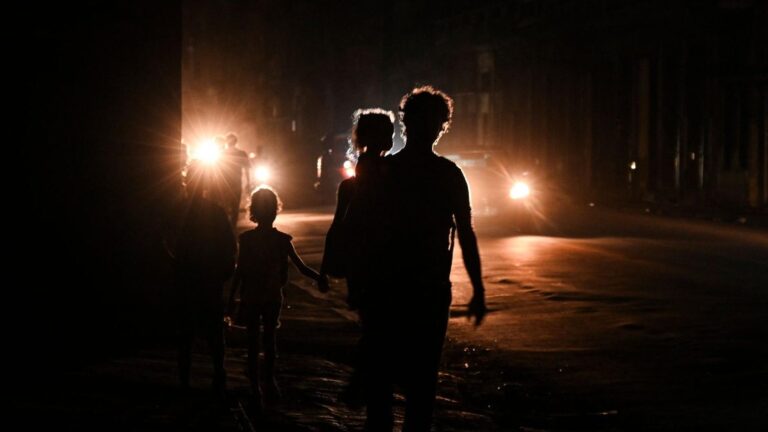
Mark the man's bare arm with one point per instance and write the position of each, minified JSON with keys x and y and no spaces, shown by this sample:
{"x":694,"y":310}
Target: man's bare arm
{"x":470,"y":252}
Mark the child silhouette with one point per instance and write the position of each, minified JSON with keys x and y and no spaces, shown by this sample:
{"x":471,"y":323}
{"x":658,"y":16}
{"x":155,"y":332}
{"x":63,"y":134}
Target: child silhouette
{"x":261,"y":274}
{"x":356,"y":222}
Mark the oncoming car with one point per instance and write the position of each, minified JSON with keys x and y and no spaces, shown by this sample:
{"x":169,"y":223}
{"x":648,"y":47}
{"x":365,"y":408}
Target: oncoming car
{"x":210,"y":155}
{"x":499,"y":190}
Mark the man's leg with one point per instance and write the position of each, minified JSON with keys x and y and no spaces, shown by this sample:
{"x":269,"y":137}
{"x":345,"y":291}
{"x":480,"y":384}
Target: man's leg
{"x":425,"y":342}
{"x":378,"y":364}
{"x":421,"y":385}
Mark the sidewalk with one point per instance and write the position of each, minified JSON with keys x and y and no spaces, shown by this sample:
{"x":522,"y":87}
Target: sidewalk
{"x":753,"y":218}
{"x":700,"y":211}
{"x":315,"y":347}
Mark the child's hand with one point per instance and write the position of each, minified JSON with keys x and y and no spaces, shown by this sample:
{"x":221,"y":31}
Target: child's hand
{"x":322,"y":284}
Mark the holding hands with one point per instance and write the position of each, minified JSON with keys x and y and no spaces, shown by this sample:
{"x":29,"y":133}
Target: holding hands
{"x":322,"y":284}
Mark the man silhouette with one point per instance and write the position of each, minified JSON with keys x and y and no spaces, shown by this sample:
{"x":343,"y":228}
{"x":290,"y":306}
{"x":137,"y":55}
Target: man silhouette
{"x":234,"y":163}
{"x":200,"y":241}
{"x":425,"y":201}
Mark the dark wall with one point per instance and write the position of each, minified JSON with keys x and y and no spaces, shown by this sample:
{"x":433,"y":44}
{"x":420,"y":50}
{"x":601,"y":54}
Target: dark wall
{"x":102,"y":99}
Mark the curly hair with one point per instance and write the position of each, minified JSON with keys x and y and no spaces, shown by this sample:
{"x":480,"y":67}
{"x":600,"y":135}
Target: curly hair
{"x":265,"y":204}
{"x":372,"y":128}
{"x":427,"y":103}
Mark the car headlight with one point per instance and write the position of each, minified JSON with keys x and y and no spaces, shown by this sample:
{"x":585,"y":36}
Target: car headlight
{"x":262,"y":173}
{"x":519,"y":190}
{"x":207,"y":152}
{"x":349,"y":169}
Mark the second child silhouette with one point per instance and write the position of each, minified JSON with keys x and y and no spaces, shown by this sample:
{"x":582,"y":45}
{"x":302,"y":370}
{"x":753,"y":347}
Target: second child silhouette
{"x":261,"y":274}
{"x":355,"y":222}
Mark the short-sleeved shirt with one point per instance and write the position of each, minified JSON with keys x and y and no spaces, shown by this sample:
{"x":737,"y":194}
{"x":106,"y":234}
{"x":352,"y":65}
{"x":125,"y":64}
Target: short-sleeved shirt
{"x":263,"y":264}
{"x":428,"y":191}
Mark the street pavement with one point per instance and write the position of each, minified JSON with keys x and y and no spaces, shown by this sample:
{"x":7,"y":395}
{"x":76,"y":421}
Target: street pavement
{"x":316,"y":350}
{"x":600,"y":321}
{"x":609,"y":320}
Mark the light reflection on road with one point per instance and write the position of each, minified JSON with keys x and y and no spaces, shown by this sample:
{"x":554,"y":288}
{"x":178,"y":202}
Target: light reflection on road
{"x":629,"y":305}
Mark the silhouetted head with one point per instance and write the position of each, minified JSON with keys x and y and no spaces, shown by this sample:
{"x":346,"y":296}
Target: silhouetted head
{"x":426,"y":115}
{"x":230,"y":140}
{"x":264,"y":205}
{"x":372,"y":131}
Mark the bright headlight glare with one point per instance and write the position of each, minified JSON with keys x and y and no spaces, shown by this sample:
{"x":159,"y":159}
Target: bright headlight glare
{"x":207,"y":152}
{"x":263,"y":173}
{"x":519,"y":190}
{"x":348,"y":168}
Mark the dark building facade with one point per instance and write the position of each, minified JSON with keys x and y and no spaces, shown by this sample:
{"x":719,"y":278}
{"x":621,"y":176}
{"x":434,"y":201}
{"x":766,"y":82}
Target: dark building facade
{"x":102,"y":98}
{"x":662,"y":101}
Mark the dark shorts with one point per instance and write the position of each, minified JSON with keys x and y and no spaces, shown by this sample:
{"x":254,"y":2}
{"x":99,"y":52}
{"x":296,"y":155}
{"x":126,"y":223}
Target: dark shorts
{"x":266,"y":314}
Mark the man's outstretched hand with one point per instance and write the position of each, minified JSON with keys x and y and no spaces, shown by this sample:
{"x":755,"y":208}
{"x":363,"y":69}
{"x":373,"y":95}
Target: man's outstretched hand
{"x":477,"y":309}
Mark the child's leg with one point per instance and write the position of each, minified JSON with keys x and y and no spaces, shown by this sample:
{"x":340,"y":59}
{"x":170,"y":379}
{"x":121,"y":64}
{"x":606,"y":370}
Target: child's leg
{"x":254,"y":333}
{"x":270,"y":348}
{"x":271,"y":322}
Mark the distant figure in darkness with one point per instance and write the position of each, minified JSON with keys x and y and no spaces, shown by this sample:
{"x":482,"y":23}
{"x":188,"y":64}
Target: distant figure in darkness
{"x":234,"y":164}
{"x":425,"y":200}
{"x":262,"y":272}
{"x":351,"y":227}
{"x":203,"y":250}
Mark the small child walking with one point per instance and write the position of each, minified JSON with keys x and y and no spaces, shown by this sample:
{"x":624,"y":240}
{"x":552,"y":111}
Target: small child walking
{"x":261,"y":274}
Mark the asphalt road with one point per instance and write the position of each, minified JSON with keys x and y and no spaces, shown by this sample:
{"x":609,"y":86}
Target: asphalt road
{"x":605,"y":320}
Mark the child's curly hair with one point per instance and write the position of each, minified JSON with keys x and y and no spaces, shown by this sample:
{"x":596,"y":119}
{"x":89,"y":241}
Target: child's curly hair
{"x":265,"y":204}
{"x":373,"y":129}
